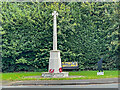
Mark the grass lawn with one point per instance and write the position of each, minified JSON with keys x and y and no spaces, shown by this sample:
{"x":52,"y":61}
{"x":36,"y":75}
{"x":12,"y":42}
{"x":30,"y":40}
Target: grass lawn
{"x":86,"y":74}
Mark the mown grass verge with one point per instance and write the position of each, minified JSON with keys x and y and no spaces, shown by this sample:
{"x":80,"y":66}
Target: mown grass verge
{"x":86,"y":75}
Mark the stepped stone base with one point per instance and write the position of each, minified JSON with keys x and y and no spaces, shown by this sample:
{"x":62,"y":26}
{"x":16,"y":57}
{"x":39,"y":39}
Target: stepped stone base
{"x":62,"y":74}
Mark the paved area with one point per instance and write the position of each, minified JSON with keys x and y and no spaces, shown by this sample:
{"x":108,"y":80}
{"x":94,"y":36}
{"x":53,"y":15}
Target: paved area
{"x":61,"y":82}
{"x":115,"y":85}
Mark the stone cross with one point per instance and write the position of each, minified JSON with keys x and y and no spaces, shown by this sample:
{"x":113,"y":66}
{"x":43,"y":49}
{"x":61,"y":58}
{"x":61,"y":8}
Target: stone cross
{"x":55,"y":69}
{"x":54,"y":30}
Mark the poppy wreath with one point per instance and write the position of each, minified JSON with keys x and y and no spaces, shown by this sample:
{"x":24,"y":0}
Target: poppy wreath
{"x":51,"y":70}
{"x":60,"y":69}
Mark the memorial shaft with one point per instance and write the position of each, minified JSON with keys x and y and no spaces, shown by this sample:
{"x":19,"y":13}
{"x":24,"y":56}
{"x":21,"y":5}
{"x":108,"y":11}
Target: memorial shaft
{"x":55,"y":31}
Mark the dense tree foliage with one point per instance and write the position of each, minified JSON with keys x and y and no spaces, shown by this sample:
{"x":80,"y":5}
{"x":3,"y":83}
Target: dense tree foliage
{"x":86,"y":32}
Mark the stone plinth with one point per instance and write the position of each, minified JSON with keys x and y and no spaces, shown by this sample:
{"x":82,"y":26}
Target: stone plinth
{"x":52,"y":75}
{"x":55,"y":64}
{"x":55,"y":61}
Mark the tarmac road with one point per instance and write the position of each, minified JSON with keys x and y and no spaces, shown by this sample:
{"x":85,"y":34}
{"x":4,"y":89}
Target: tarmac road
{"x":113,"y":85}
{"x":60,"y":82}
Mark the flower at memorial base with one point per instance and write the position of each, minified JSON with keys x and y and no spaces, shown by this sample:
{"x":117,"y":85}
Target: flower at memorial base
{"x":60,"y":70}
{"x":51,"y":70}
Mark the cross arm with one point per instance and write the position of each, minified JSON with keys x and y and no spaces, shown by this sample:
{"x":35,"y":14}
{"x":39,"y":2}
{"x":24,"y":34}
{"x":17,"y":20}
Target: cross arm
{"x":55,"y":13}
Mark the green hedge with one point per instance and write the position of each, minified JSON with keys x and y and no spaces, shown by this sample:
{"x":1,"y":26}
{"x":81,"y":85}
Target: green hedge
{"x":86,"y":32}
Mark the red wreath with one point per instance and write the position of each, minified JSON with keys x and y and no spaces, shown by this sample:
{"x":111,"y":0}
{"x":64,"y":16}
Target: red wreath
{"x":60,"y":70}
{"x":51,"y":70}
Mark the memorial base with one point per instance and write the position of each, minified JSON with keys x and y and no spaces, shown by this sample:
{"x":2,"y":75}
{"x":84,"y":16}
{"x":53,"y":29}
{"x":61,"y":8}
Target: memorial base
{"x":53,"y":75}
{"x":100,"y":73}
